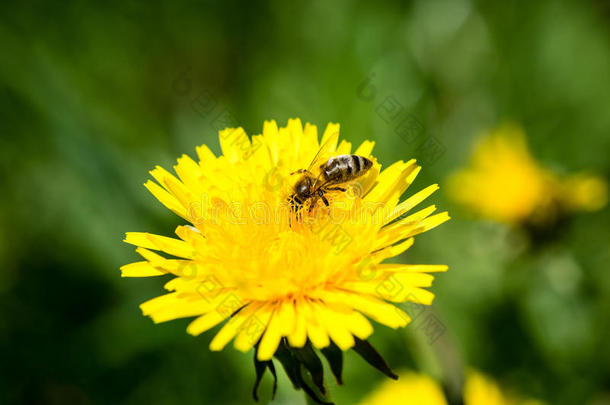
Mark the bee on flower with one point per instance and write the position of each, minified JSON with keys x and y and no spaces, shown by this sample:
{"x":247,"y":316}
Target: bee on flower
{"x":283,"y":246}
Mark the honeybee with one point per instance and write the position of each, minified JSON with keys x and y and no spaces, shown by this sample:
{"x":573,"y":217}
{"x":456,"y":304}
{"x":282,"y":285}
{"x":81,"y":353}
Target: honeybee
{"x":333,"y":173}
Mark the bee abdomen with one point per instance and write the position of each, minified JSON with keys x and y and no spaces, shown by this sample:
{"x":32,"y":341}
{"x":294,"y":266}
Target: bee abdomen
{"x":359,"y":165}
{"x":344,"y":168}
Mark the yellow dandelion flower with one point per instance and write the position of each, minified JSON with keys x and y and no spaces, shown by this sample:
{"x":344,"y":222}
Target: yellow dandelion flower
{"x":583,"y":192}
{"x":420,"y":389}
{"x":479,"y":389}
{"x":482,"y":390}
{"x":410,"y":389}
{"x":278,"y":279}
{"x":505,"y":183}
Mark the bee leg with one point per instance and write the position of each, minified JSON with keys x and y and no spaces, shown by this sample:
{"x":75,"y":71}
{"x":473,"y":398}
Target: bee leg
{"x":337,"y":188}
{"x":321,"y":194}
{"x":313,"y":202}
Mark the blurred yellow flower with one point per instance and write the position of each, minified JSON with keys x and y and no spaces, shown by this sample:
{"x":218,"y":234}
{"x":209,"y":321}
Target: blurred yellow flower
{"x":481,"y":390}
{"x":583,"y":192}
{"x":410,"y":389}
{"x":277,"y":279}
{"x":505,"y":183}
{"x":420,"y":389}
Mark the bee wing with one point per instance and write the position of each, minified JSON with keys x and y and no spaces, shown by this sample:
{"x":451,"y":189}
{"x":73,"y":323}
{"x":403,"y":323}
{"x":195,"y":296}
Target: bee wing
{"x":328,"y":146}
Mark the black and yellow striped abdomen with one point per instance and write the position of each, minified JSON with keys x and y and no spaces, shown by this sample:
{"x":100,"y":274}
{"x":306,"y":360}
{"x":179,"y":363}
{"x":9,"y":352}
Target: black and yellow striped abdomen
{"x":344,"y":168}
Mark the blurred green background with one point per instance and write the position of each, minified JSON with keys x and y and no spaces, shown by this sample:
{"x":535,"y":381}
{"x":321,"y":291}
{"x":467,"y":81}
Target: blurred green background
{"x":93,"y":96}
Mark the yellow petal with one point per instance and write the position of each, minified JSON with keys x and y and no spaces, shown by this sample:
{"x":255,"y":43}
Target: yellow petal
{"x":430,"y":223}
{"x":411,"y":202}
{"x":166,"y":199}
{"x":298,"y":337}
{"x":295,"y":129}
{"x":344,"y":148}
{"x":140,"y":269}
{"x":205,"y":322}
{"x":365,"y":149}
{"x":158,"y":303}
{"x":316,"y":331}
{"x":287,"y":318}
{"x":171,"y":246}
{"x":358,"y":325}
{"x":182,"y":309}
{"x":252,"y":329}
{"x":271,"y":134}
{"x":206,"y":156}
{"x":374,"y":308}
{"x":231,"y":328}
{"x":335,"y":326}
{"x":399,"y":287}
{"x":420,"y":268}
{"x":309,"y":142}
{"x":160,"y":174}
{"x":381,"y":254}
{"x":184,"y":195}
{"x":393,"y":181}
{"x":331,"y":135}
{"x":407,"y":229}
{"x":189,"y":173}
{"x":271,"y":338}
{"x":191,"y":235}
{"x":183,"y":268}
{"x":399,"y":230}
{"x":234,"y":143}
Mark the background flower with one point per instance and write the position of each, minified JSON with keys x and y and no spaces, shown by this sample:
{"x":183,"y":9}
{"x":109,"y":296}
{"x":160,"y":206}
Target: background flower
{"x":505,"y":183}
{"x":411,"y":389}
{"x":420,"y":389}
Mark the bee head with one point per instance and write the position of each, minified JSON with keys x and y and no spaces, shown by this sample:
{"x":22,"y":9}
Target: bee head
{"x":304,"y":187}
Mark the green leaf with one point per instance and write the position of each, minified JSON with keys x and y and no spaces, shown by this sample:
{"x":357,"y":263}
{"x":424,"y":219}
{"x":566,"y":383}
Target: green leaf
{"x":334,"y":357}
{"x":260,"y":367}
{"x":288,"y":361}
{"x":308,"y":357}
{"x":371,"y":356}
